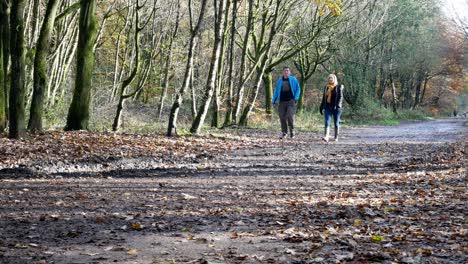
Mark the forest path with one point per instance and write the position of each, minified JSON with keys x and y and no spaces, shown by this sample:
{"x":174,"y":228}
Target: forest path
{"x":380,"y":194}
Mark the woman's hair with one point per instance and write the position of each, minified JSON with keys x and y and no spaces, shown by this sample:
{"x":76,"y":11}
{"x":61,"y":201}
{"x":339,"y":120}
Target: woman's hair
{"x":335,"y":80}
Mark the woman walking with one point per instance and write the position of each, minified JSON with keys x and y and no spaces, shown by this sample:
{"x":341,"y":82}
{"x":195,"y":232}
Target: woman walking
{"x":332,"y":102}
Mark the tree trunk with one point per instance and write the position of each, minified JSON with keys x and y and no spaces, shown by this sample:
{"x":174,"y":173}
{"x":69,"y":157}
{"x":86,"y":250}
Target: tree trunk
{"x":165,"y":85}
{"x":230,"y":93}
{"x":78,"y":114}
{"x":172,"y":124}
{"x":244,"y":119}
{"x":2,"y":81}
{"x":262,"y":68}
{"x":394,"y":96}
{"x":62,"y":75}
{"x":168,"y":63}
{"x":116,"y":124}
{"x":268,"y":82}
{"x":194,"y":95}
{"x":3,"y":69}
{"x":18,"y":70}
{"x":245,"y":46}
{"x":220,"y":76}
{"x":40,"y":67}
{"x":300,"y":103}
{"x":34,"y":22}
{"x":117,"y":59}
{"x":306,"y":69}
{"x":215,"y":59}
{"x":417,"y":93}
{"x":426,"y":79}
{"x":135,"y":67}
{"x":5,"y":38}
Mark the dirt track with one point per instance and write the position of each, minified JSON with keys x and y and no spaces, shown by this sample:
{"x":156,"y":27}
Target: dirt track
{"x":380,"y":194}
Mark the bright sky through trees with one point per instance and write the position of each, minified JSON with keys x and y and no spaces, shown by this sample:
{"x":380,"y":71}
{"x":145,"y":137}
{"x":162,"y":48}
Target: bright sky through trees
{"x":456,"y":8}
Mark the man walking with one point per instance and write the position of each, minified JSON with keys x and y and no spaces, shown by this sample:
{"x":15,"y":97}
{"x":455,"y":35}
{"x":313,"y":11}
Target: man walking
{"x":287,"y":92}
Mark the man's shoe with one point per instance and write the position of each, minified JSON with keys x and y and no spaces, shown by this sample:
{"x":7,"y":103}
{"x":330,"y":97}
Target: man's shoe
{"x":283,"y":136}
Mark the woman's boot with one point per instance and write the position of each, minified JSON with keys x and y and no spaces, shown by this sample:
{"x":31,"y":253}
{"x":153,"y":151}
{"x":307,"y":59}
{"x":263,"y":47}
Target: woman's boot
{"x":326,"y":134}
{"x":337,"y":132}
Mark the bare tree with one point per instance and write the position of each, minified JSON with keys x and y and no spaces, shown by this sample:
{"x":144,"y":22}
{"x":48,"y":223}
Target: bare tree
{"x":136,"y":65}
{"x":194,"y":31}
{"x":220,"y":16}
{"x":169,"y":60}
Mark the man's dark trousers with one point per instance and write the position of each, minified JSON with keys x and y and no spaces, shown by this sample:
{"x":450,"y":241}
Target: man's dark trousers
{"x":286,"y":112}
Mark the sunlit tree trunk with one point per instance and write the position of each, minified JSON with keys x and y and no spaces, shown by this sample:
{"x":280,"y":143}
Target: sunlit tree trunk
{"x":40,"y":67}
{"x":220,"y":72}
{"x":193,"y":94}
{"x":172,"y":125}
{"x":215,"y":59}
{"x":230,"y":82}
{"x":3,"y":64}
{"x":244,"y":119}
{"x":167,"y":67}
{"x":5,"y":39}
{"x":245,"y":45}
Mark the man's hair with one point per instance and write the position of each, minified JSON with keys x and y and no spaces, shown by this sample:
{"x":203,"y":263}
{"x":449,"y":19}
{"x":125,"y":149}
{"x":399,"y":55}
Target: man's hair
{"x":286,"y":67}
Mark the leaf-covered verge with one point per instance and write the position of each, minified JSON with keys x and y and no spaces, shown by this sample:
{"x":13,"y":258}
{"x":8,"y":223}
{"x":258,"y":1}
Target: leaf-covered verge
{"x":379,"y":195}
{"x":77,"y":151}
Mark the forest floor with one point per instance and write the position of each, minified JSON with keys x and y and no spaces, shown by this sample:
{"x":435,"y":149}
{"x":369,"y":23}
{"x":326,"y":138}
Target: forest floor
{"x":378,"y":195}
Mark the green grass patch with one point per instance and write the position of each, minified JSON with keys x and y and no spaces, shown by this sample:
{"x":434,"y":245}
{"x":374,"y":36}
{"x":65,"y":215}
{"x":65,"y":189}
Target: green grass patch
{"x":371,"y":113}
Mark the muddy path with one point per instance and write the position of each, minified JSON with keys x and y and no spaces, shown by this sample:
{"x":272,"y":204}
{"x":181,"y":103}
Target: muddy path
{"x":379,"y":195}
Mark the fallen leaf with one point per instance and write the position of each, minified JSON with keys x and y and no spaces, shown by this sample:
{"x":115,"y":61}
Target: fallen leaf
{"x":137,"y":226}
{"x":100,"y":220}
{"x":357,"y":222}
{"x":376,"y":238}
{"x":132,"y":251}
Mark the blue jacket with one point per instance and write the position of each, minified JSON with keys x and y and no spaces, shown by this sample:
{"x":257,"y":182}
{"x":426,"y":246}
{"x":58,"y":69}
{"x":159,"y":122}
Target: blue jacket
{"x":295,"y":88}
